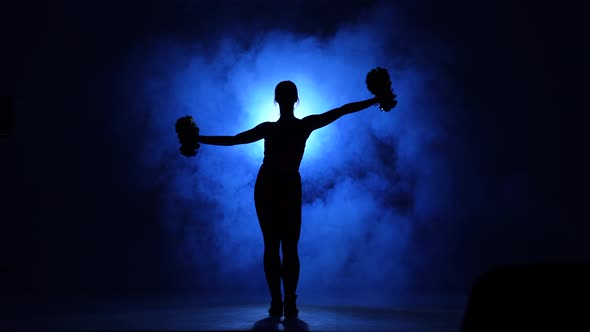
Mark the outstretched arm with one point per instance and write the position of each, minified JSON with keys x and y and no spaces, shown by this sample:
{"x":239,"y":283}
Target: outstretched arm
{"x":316,"y":121}
{"x":248,"y":136}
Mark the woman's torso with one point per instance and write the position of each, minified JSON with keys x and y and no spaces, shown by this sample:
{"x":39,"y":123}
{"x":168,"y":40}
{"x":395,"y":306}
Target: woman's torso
{"x":284,"y":146}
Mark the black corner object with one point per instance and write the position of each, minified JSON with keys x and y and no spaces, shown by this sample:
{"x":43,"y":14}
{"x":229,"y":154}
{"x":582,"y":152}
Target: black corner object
{"x":7,"y":116}
{"x":529,"y":297}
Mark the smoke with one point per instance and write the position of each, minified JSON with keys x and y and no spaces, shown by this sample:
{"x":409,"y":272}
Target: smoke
{"x":419,"y":201}
{"x":371,"y":180}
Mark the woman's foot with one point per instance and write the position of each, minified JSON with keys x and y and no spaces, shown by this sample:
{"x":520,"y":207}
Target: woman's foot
{"x":276,"y":308}
{"x":291,"y":306}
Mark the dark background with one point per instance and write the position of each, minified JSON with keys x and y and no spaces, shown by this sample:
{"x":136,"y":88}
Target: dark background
{"x":72,"y":224}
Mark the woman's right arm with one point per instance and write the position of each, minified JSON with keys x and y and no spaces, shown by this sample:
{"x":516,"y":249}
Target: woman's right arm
{"x":217,"y":140}
{"x":248,"y":136}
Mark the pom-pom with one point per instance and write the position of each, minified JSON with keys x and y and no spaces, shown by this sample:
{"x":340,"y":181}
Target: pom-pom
{"x":188,"y":135}
{"x":379,"y":84}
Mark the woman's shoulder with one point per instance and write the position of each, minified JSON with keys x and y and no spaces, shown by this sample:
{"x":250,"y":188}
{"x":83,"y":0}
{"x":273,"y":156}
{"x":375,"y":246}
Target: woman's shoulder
{"x":266,"y":125}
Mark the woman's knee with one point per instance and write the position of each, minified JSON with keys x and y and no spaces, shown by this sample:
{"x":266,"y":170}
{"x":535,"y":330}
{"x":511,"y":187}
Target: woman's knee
{"x":271,"y":246}
{"x":290,"y":250}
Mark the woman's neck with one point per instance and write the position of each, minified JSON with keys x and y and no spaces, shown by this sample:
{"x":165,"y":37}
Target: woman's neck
{"x":286,"y":114}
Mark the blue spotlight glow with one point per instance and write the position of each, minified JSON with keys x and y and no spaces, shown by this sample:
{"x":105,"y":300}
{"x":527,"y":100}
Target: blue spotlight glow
{"x":354,"y":170}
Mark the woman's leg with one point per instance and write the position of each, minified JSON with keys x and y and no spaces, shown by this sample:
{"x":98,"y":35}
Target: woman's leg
{"x":265,"y":210}
{"x":290,"y":266}
{"x":289,"y":242}
{"x":272,"y":266}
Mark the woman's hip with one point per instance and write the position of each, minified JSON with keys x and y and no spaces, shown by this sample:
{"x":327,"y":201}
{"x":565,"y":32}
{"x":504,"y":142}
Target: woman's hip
{"x":278,"y":181}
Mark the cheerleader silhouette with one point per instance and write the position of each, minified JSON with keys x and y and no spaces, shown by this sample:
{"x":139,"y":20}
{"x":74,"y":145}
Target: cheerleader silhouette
{"x":277,"y":193}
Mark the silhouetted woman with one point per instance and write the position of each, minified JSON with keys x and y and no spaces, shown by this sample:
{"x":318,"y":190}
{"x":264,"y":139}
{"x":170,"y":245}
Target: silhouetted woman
{"x":277,"y":193}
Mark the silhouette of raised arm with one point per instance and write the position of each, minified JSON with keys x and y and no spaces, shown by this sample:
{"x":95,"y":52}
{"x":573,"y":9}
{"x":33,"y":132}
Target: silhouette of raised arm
{"x":248,"y":136}
{"x":316,"y":121}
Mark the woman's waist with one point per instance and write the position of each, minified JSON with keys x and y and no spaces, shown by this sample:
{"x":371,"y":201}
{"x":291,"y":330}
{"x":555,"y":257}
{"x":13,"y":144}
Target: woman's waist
{"x":283,"y":170}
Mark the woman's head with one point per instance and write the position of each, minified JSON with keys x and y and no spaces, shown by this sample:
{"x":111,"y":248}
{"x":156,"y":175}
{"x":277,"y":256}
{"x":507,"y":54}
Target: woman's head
{"x":286,"y":93}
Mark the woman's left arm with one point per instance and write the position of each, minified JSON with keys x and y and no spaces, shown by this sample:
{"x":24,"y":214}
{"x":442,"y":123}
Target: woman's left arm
{"x":316,"y":121}
{"x":248,"y":136}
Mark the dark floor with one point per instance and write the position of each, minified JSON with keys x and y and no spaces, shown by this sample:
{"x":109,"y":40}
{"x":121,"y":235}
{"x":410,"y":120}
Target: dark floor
{"x":169,"y":315}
